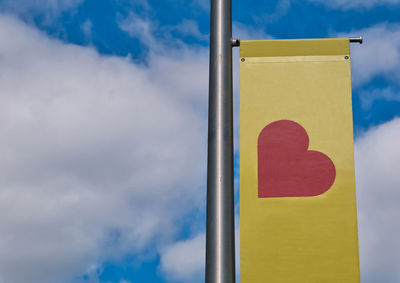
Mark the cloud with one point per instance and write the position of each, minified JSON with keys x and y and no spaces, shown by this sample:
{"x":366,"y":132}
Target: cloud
{"x":184,"y":260}
{"x":355,"y":4}
{"x":370,"y":95}
{"x":281,"y":9}
{"x":87,"y":29}
{"x":156,"y":37}
{"x":190,"y":28}
{"x":377,"y":156}
{"x":245,"y":32}
{"x":378,"y":56}
{"x":100,"y":157}
{"x":141,"y":28}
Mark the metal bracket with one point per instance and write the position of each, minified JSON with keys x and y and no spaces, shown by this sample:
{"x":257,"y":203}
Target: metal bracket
{"x":356,"y":39}
{"x":235,"y":42}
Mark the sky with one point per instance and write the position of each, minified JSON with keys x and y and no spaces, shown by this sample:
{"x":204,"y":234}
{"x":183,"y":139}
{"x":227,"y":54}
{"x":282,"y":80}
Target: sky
{"x":103,"y":136}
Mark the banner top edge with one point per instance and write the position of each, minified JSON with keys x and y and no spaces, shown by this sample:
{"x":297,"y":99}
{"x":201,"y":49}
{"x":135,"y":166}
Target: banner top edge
{"x":294,"y":47}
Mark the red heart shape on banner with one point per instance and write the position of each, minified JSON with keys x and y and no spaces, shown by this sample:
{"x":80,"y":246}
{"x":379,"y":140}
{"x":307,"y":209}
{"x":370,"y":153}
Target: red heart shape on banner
{"x":286,"y":168}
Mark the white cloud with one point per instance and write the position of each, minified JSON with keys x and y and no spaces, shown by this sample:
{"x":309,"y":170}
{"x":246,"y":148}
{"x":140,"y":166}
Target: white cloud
{"x":190,"y":28}
{"x":355,"y":4}
{"x":141,"y":28}
{"x":237,"y":246}
{"x":158,"y":38}
{"x":370,"y":95}
{"x":378,"y":193}
{"x":87,"y":29}
{"x":378,"y":56}
{"x":245,"y":32}
{"x":100,"y":157}
{"x":184,"y":260}
{"x":281,"y":9}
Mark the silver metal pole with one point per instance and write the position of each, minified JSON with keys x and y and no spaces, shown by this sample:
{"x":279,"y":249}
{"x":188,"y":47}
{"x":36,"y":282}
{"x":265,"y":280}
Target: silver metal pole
{"x":220,"y":238}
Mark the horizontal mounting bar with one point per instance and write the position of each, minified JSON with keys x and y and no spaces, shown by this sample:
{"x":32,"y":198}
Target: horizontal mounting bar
{"x":356,"y":39}
{"x":236,"y":42}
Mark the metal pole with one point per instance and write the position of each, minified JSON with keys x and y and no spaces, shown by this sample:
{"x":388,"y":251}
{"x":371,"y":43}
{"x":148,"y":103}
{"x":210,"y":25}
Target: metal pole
{"x":220,"y":237}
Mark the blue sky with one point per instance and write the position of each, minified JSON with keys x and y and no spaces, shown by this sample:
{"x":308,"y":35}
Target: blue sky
{"x":104,"y":110}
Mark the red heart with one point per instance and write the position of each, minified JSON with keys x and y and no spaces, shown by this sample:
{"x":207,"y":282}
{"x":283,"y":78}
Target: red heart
{"x":286,"y":168}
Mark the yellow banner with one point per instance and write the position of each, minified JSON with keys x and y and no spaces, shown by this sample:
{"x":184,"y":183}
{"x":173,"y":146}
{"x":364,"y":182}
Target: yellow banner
{"x":298,"y":218}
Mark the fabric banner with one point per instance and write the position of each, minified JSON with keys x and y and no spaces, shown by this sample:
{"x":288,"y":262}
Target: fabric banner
{"x":298,"y":218}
